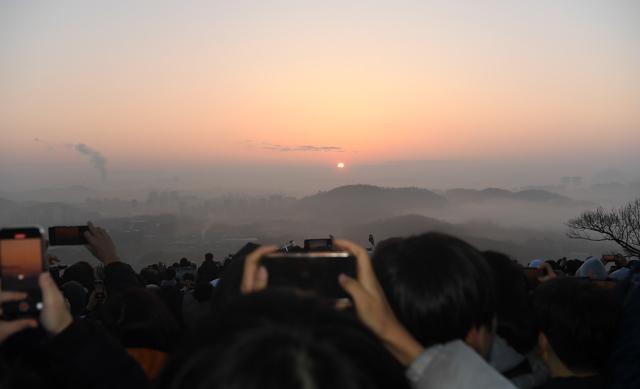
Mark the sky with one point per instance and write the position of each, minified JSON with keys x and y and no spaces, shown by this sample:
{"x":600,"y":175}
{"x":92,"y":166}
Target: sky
{"x":98,"y":92}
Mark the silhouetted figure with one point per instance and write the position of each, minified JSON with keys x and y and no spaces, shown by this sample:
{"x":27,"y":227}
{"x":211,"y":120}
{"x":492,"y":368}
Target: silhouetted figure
{"x":208,"y":270}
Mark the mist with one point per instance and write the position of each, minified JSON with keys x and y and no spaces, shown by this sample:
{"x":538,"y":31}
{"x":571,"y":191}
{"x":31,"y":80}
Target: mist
{"x":165,"y":215}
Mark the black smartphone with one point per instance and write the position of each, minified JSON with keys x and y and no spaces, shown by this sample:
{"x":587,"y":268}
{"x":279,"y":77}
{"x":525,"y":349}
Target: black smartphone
{"x":318,"y":245}
{"x":67,"y":235}
{"x":311,"y":271}
{"x":21,"y":262}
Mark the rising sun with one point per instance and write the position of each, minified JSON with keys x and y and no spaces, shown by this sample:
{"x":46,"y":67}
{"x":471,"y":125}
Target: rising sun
{"x":340,"y":165}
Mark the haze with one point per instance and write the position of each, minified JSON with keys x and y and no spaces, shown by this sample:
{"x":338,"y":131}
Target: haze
{"x":254,"y":98}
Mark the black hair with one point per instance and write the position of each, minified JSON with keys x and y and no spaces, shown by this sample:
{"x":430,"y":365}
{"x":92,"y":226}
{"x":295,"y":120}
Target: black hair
{"x":572,"y":266}
{"x":139,"y":318}
{"x":150,"y":275}
{"x":208,"y":256}
{"x":274,"y":339}
{"x":514,"y":309}
{"x":81,"y":272}
{"x":170,"y":274}
{"x":579,"y":319}
{"x":230,"y":281}
{"x":439,"y":286}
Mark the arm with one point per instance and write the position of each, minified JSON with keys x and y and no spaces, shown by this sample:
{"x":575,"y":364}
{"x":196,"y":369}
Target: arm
{"x":118,"y":276}
{"x":82,"y":353}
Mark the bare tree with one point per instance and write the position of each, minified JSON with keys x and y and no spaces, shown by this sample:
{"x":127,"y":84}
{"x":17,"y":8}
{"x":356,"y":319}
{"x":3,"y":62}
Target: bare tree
{"x":619,"y":225}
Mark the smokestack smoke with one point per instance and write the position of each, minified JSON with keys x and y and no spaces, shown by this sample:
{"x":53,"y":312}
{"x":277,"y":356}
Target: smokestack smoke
{"x":97,"y":159}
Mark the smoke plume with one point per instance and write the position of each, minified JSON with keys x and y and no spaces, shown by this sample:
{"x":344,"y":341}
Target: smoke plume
{"x":97,"y":160}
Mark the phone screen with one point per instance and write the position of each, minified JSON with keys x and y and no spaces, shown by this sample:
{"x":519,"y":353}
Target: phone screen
{"x":21,"y":262}
{"x":67,"y":235}
{"x":316,"y":272}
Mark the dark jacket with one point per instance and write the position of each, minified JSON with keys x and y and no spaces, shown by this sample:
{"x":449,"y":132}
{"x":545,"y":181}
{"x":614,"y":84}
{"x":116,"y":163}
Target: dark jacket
{"x":85,"y":356}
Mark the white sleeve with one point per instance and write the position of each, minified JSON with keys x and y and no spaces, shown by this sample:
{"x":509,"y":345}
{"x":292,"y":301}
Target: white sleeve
{"x":454,"y":365}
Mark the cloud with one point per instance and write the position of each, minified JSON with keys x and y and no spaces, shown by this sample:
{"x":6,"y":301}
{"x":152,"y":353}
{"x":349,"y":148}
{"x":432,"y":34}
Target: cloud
{"x":303,"y":148}
{"x":97,"y":159}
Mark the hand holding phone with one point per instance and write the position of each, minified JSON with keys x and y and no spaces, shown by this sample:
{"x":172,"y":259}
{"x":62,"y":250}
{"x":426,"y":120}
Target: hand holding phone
{"x":67,"y":235}
{"x":316,"y":272}
{"x":21,"y":263}
{"x":8,"y":328}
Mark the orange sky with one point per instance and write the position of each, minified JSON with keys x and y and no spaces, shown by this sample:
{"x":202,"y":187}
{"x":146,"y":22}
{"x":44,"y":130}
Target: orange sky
{"x":219,"y":83}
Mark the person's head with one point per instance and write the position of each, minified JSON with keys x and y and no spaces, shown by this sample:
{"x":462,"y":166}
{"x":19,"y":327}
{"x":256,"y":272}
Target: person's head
{"x":184,"y":261}
{"x":208,"y":257}
{"x":150,"y":276}
{"x":577,"y":324}
{"x":229,"y":285}
{"x":81,"y":272}
{"x":572,"y":266}
{"x":515,"y":321}
{"x":139,"y":318}
{"x":440,"y":288}
{"x":592,"y":268}
{"x":273,"y":339}
{"x":77,"y":296}
{"x":170,"y":274}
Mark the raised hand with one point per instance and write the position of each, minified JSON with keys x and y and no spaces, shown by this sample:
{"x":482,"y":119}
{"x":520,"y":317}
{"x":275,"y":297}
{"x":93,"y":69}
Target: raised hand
{"x":8,"y":328}
{"x":374,"y":309}
{"x":254,"y":276}
{"x":101,"y":245}
{"x":55,"y":315}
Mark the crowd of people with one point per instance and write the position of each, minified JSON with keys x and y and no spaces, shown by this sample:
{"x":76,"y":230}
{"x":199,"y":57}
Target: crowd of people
{"x":427,"y":311}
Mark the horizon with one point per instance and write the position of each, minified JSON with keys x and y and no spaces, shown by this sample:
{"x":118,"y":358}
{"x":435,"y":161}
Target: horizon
{"x":93,"y":93}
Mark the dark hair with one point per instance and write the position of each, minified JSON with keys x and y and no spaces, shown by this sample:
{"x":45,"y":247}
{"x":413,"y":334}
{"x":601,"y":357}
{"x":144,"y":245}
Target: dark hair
{"x":273,"y":339}
{"x":149,"y":275}
{"x":170,"y":274}
{"x":572,"y":266}
{"x":81,"y":272}
{"x":579,"y":319}
{"x":439,"y":286}
{"x":229,"y":285}
{"x":208,"y":256}
{"x":514,"y":310}
{"x":139,"y":318}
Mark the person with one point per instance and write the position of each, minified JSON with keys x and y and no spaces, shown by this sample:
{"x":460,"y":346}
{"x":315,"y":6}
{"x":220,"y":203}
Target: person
{"x":144,"y":326}
{"x":118,"y":276}
{"x":623,"y":368}
{"x":513,"y":348}
{"x":208,"y":270}
{"x":81,"y":272}
{"x":449,"y":365}
{"x":80,"y":353}
{"x":592,"y":268}
{"x":276,"y":339}
{"x":577,"y":325}
{"x":440,"y":287}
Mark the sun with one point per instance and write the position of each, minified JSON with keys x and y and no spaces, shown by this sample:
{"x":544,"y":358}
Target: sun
{"x":340,"y":165}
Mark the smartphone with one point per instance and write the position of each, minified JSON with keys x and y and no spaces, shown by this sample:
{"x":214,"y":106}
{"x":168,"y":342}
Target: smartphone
{"x":311,"y":271}
{"x":67,"y":235}
{"x":318,"y":244}
{"x":21,"y":262}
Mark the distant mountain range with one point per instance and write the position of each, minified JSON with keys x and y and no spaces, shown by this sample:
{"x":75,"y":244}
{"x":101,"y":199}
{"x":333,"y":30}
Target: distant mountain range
{"x":366,"y":200}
